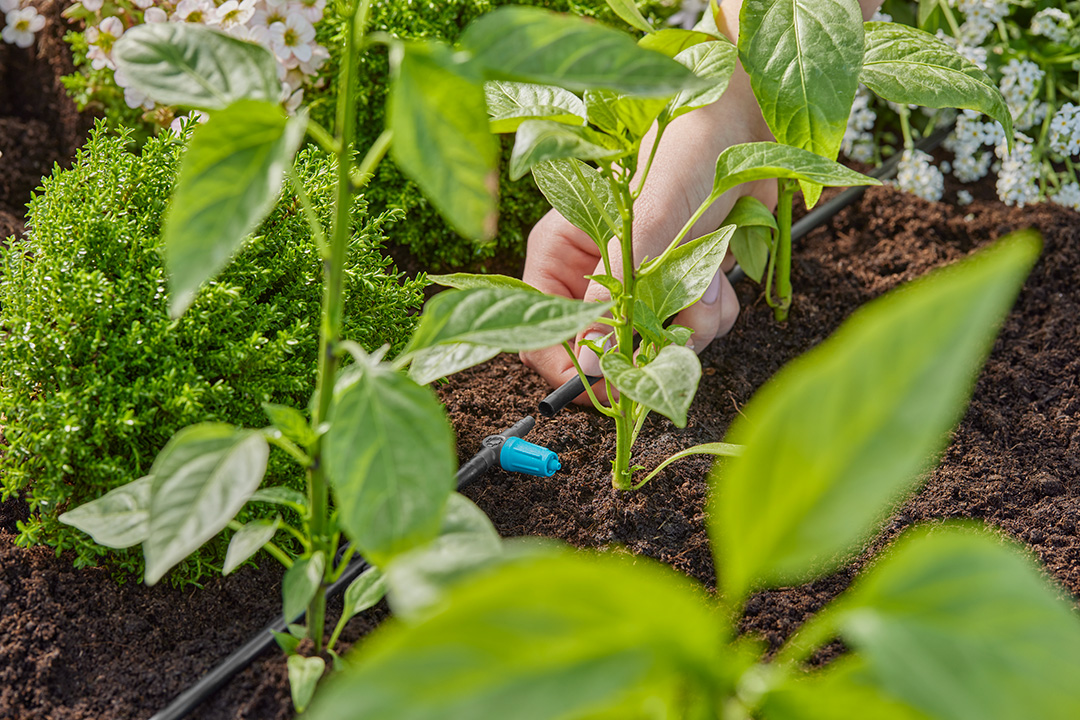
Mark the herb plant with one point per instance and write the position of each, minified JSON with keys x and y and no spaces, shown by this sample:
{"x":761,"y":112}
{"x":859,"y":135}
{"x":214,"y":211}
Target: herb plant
{"x":377,"y":449}
{"x":952,"y":623}
{"x":95,"y":376}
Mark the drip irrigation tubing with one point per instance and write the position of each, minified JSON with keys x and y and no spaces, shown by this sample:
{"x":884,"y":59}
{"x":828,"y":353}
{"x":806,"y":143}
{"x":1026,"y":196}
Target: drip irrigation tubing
{"x":186,"y":702}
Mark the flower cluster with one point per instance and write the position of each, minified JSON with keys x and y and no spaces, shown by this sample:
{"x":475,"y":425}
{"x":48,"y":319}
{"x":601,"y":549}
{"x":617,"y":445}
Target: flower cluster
{"x":1030,"y":53}
{"x":917,"y":176}
{"x":1018,"y":178}
{"x":1065,"y":130}
{"x":1052,"y":23}
{"x":20,"y":23}
{"x":285,"y":27}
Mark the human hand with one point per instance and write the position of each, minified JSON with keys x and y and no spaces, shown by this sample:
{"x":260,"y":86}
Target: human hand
{"x":560,"y":256}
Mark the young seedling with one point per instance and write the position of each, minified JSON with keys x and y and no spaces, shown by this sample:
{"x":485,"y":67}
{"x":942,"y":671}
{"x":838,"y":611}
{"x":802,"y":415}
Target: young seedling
{"x":377,"y":448}
{"x":805,"y":62}
{"x":951,"y":623}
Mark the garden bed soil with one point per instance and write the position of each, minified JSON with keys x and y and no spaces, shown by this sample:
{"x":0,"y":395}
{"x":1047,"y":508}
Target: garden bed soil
{"x":74,"y":645}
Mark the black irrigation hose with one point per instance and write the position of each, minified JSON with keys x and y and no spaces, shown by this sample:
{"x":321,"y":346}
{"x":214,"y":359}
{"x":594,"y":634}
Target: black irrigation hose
{"x":211,"y":682}
{"x":488,"y":457}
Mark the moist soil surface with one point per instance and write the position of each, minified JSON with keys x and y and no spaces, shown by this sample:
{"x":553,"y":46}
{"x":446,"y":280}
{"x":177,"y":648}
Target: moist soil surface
{"x":74,"y":645}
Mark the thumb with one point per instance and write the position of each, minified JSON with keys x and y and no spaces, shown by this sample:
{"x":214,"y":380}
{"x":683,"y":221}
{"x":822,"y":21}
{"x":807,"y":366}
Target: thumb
{"x":713,"y":315}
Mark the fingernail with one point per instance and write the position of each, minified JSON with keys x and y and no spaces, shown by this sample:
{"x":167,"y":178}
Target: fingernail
{"x":590,"y":361}
{"x":712,"y":293}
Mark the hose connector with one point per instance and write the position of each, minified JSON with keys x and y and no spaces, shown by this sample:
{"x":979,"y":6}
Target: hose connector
{"x":517,"y":455}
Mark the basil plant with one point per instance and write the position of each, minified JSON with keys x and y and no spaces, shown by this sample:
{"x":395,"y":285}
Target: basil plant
{"x":951,"y":623}
{"x":375,"y":443}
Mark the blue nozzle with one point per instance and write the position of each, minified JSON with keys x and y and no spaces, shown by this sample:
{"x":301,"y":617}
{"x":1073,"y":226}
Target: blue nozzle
{"x":517,"y":455}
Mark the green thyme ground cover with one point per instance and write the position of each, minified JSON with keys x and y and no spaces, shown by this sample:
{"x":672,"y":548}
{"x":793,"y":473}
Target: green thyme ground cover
{"x":95,"y":377}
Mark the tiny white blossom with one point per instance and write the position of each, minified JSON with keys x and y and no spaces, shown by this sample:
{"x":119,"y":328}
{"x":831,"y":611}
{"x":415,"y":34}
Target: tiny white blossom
{"x":7,"y":6}
{"x":310,"y":9}
{"x":963,"y":197}
{"x":21,"y":26}
{"x":194,"y":11}
{"x":233,"y":13}
{"x":1068,"y":195}
{"x":1065,"y":130}
{"x":290,"y":40}
{"x":155,"y":15}
{"x":132,"y":96}
{"x":1052,"y":23}
{"x":1017,"y":182}
{"x":143,"y":4}
{"x":182,"y":122}
{"x":93,"y":5}
{"x":916,"y":175}
{"x":101,"y":39}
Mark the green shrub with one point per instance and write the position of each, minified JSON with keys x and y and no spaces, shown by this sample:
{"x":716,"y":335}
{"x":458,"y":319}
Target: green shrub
{"x":426,"y":235}
{"x":95,"y":377}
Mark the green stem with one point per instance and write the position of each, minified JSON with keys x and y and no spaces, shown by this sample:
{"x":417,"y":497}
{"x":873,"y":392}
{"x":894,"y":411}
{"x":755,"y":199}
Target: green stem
{"x":322,"y":136}
{"x":332,"y":310}
{"x":624,"y":334}
{"x":905,"y":126}
{"x":661,"y":126}
{"x":317,"y":232}
{"x":783,"y":249}
{"x":588,"y":388}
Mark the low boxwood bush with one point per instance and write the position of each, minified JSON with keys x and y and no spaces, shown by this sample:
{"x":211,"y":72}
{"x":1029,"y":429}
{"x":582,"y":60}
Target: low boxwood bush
{"x":95,"y":377}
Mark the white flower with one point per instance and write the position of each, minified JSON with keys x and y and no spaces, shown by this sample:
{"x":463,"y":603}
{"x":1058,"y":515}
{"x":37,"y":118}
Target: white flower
{"x":143,"y":4}
{"x":1017,"y":182}
{"x":1065,"y":130}
{"x":7,"y":6}
{"x":1068,"y":195}
{"x":290,"y":39}
{"x":881,"y":17}
{"x":1052,"y":23}
{"x":101,"y":39}
{"x":963,"y":197}
{"x":980,"y":18}
{"x":860,"y":122}
{"x":21,"y":26}
{"x":233,"y":13}
{"x":155,"y":15}
{"x":264,"y":17}
{"x":133,"y":97}
{"x":319,"y":55}
{"x":1020,"y":81}
{"x":93,"y":5}
{"x":310,"y":9}
{"x":917,"y":176}
{"x":194,"y":11}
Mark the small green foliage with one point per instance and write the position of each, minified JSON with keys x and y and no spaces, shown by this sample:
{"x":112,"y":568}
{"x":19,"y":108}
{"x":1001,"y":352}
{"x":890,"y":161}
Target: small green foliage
{"x":95,"y":377}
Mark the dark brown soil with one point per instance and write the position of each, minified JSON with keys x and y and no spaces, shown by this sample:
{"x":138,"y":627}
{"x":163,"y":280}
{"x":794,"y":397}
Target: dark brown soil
{"x":75,"y":646}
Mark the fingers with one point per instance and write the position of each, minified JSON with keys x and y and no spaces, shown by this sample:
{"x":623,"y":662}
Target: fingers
{"x":713,"y":315}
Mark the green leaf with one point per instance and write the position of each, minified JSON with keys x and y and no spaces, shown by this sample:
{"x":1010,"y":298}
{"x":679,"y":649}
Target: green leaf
{"x":247,"y":541}
{"x":364,"y":592}
{"x":620,"y":114}
{"x":202,"y":478}
{"x":666,"y":385}
{"x":538,"y":141}
{"x":841,"y":434}
{"x":909,"y":66}
{"x":751,"y":242}
{"x":678,"y":281}
{"x":600,"y":109}
{"x":467,"y":541}
{"x":468,"y":281}
{"x":964,"y":627}
{"x":286,"y":642}
{"x":554,"y":636}
{"x":672,"y":41}
{"x":118,"y":519}
{"x":803,"y":58}
{"x":300,"y":583}
{"x":927,"y":9}
{"x":229,"y":180}
{"x":441,"y":140}
{"x":627,"y":10}
{"x":755,"y":161}
{"x":390,"y":457}
{"x":648,"y":325}
{"x":511,"y":320}
{"x":714,"y":61}
{"x":840,"y":691}
{"x":290,"y":422}
{"x":538,"y":46}
{"x":707,"y":24}
{"x":511,"y":103}
{"x":304,"y":676}
{"x":190,"y":65}
{"x":580,"y":194}
{"x":431,"y":363}
{"x":281,"y":496}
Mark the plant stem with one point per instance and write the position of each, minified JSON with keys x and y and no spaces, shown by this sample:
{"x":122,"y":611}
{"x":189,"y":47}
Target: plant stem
{"x":783,"y":249}
{"x":332,"y":308}
{"x":624,"y":334}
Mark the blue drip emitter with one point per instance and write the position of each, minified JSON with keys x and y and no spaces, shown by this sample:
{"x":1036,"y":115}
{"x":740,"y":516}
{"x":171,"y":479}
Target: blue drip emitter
{"x":517,"y":455}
